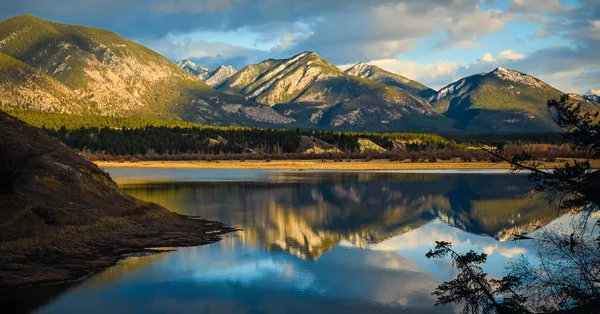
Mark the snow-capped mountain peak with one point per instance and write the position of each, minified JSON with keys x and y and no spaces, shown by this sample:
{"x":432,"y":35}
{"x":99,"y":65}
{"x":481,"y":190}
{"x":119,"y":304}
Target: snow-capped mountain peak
{"x":212,"y":77}
{"x":593,"y":95}
{"x":192,"y":67}
{"x":517,"y":77}
{"x":360,"y":69}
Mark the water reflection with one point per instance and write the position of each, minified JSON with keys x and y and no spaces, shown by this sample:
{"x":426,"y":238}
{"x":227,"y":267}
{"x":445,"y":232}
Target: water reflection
{"x":308,"y":214}
{"x":319,"y":242}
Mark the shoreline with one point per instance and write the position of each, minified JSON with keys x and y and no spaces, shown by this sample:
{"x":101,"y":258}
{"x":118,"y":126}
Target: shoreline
{"x":300,"y":165}
{"x":101,"y":248}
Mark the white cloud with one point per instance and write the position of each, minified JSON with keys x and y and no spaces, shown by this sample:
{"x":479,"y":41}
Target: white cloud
{"x":487,"y":58}
{"x":503,"y":56}
{"x":510,"y":55}
{"x":507,"y":252}
{"x":436,"y":74}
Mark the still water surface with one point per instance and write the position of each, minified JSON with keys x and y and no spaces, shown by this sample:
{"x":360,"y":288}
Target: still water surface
{"x":313,"y":242}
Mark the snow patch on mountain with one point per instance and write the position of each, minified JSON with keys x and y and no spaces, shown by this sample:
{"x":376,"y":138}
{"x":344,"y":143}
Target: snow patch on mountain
{"x":592,"y":95}
{"x":518,"y":77}
{"x":449,"y":90}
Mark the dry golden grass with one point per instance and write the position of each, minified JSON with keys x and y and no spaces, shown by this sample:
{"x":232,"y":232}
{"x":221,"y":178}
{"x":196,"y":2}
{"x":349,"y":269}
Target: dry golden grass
{"x":320,"y":165}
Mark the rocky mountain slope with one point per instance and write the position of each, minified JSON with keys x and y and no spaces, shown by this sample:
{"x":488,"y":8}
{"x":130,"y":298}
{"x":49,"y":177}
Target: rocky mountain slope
{"x":382,"y":76}
{"x":213,"y":77}
{"x":314,"y":92}
{"x":79,"y":70}
{"x":216,"y":76}
{"x":62,"y":217}
{"x":501,"y":100}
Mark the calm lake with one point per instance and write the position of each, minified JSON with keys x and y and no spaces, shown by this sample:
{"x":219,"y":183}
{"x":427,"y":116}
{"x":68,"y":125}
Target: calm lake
{"x":313,"y":242}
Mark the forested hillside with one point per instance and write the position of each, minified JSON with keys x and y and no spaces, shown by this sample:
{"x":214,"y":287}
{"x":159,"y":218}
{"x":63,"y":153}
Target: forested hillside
{"x":112,"y":138}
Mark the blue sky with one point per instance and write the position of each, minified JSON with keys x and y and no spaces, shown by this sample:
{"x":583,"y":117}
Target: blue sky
{"x":432,"y":41}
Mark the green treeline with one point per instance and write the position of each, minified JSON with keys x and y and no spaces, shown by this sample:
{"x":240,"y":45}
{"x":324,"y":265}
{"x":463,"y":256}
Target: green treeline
{"x":122,"y":136}
{"x":140,"y":136}
{"x":177,"y":140}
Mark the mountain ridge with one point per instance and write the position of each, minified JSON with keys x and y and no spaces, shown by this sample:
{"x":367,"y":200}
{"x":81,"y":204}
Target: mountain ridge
{"x":500,"y":100}
{"x":88,"y":70}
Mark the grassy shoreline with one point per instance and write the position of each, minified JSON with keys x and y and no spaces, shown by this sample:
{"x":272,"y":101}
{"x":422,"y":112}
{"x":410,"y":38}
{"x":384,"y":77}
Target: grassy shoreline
{"x":323,"y":165}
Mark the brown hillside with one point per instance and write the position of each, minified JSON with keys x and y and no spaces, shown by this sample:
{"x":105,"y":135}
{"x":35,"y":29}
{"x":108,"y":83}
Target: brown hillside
{"x":62,"y":217}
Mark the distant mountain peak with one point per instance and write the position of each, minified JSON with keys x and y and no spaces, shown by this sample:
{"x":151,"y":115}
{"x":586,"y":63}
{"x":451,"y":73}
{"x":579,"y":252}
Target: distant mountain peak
{"x":192,"y":67}
{"x":212,"y":77}
{"x":310,"y":53}
{"x":593,"y":95}
{"x":592,"y":92}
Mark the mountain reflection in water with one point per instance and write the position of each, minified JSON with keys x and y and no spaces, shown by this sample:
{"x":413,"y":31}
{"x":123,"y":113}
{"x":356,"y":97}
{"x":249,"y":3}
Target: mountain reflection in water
{"x":314,"y":241}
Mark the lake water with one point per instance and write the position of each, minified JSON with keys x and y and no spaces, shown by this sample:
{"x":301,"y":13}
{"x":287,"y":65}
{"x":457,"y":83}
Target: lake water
{"x":313,"y":242}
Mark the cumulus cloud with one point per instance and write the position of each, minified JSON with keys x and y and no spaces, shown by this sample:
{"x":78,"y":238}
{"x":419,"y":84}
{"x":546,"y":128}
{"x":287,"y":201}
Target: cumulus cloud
{"x":384,"y":31}
{"x":506,"y":55}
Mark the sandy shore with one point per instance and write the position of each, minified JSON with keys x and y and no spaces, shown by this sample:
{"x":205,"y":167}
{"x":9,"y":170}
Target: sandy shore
{"x":320,"y":165}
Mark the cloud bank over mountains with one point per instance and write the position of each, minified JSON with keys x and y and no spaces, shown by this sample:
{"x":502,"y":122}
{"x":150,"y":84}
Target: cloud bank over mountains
{"x":432,"y":41}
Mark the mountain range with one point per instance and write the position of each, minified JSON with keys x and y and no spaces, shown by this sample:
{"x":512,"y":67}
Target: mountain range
{"x":316,"y":93}
{"x":72,"y":69}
